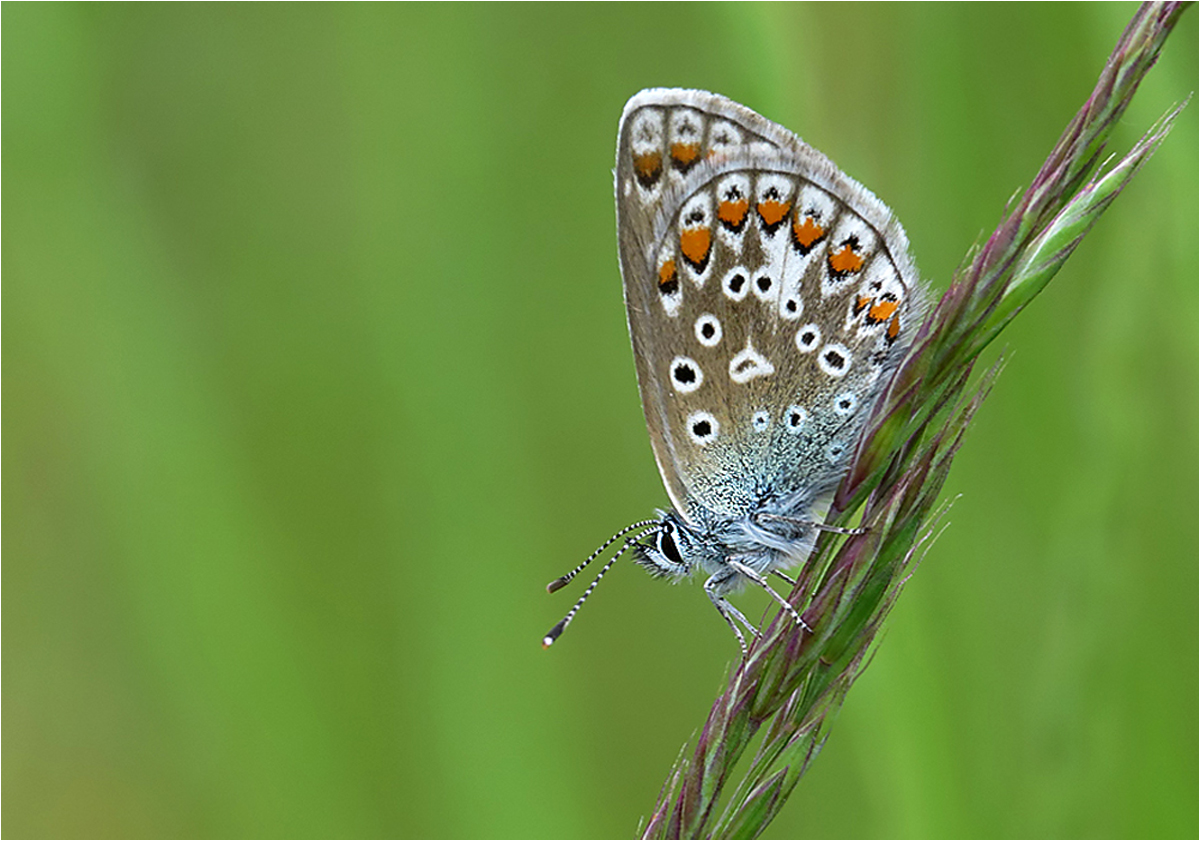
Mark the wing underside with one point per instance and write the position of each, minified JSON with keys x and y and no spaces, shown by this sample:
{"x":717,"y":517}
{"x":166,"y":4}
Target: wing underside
{"x":767,"y":296}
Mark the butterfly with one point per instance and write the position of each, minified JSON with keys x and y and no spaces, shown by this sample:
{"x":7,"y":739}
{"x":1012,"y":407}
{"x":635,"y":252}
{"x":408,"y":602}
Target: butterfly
{"x":769,"y":298}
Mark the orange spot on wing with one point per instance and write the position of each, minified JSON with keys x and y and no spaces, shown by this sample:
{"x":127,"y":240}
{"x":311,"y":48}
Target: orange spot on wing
{"x":861,"y":304}
{"x":695,"y":244}
{"x":772,"y":212}
{"x":648,"y":166}
{"x":845,"y":261}
{"x":666,"y":273}
{"x":883,"y":310}
{"x":685,"y":154}
{"x":893,"y":329}
{"x":733,"y":213}
{"x":807,"y":232}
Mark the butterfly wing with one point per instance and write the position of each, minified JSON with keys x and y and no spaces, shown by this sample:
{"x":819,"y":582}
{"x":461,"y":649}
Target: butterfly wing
{"x":768,"y":294}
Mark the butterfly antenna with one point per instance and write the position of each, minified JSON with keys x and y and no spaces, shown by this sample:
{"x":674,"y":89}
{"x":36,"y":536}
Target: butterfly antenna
{"x":557,"y":630}
{"x":558,"y":583}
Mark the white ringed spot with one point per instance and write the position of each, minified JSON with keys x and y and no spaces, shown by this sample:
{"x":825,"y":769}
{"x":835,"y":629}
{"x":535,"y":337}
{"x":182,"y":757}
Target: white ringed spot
{"x":794,"y":418}
{"x":765,"y":285}
{"x":761,"y":421}
{"x":736,"y":283}
{"x":834,"y":359}
{"x":791,"y":307}
{"x":748,"y":364}
{"x":708,"y":330}
{"x":686,"y":375}
{"x":808,"y":337}
{"x":835,"y":452}
{"x":845,"y":403}
{"x":703,"y":428}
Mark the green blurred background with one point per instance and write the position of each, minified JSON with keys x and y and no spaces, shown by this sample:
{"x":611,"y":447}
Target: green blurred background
{"x":317,"y":372}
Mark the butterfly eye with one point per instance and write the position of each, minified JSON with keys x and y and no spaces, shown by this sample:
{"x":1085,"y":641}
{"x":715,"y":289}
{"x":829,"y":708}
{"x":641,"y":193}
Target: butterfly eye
{"x":666,"y":545}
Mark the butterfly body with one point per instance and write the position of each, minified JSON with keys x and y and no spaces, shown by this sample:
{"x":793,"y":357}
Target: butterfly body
{"x":769,"y":297}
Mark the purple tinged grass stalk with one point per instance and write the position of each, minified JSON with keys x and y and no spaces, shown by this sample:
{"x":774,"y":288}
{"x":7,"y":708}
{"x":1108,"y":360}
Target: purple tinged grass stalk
{"x":792,"y":682}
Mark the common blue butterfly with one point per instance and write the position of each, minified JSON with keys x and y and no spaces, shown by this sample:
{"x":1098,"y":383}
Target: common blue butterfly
{"x":769,"y":297}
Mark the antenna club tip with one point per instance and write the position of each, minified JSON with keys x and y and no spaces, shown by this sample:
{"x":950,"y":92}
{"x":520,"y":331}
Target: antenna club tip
{"x":556,"y":585}
{"x":554,"y":634}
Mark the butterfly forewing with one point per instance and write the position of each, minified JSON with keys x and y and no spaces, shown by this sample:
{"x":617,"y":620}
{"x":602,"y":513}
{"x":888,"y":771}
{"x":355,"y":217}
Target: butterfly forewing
{"x":764,"y":310}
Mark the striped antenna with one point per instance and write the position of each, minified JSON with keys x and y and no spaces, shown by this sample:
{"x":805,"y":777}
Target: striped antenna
{"x":557,"y":630}
{"x":558,"y":583}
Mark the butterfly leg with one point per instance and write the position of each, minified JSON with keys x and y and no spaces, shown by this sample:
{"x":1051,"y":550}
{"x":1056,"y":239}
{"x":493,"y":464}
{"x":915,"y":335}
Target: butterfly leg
{"x":737,"y":614}
{"x":728,"y":611}
{"x":762,"y":517}
{"x":762,"y":582}
{"x":791,"y":581}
